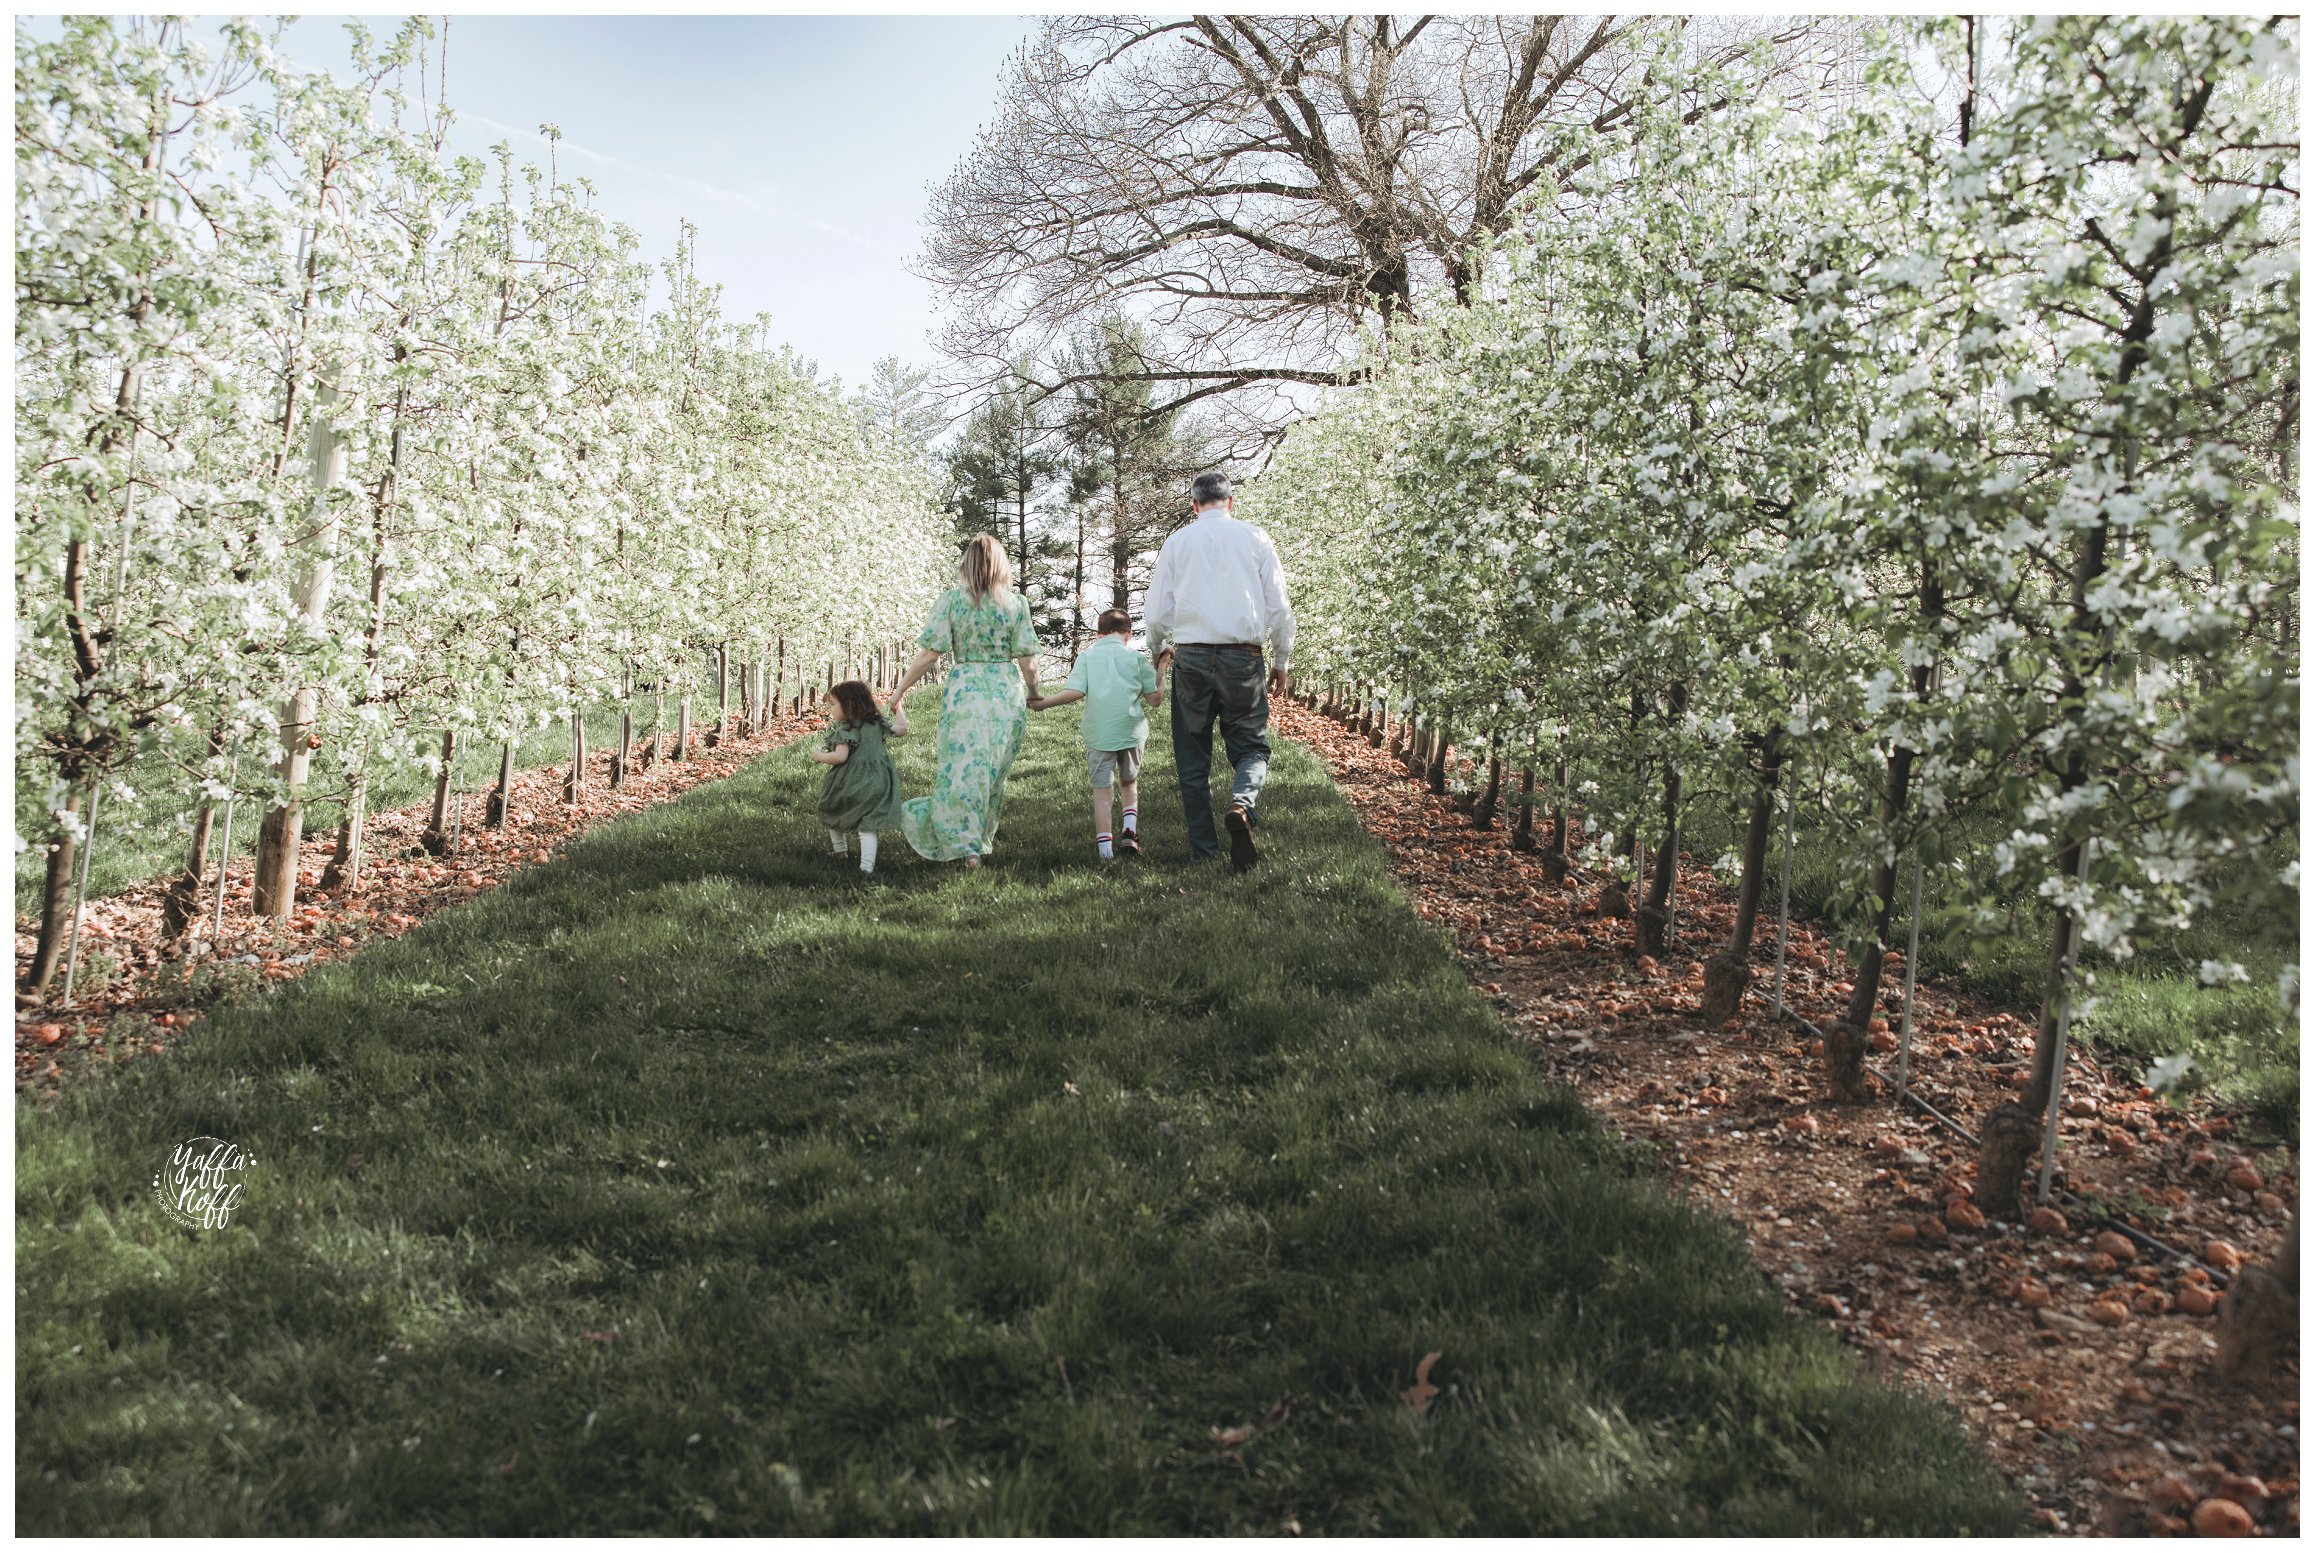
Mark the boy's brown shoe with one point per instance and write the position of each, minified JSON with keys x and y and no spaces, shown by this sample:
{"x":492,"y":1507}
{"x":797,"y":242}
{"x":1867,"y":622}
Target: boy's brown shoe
{"x":1129,"y":844}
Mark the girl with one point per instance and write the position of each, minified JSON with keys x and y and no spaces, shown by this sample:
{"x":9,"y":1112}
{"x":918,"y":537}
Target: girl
{"x":861,"y":791}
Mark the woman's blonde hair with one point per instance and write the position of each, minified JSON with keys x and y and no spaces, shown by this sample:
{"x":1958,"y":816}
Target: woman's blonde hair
{"x":984,"y":570}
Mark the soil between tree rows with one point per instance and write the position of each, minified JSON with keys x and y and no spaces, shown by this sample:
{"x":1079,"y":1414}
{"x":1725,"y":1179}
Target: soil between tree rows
{"x":2112,"y":1429}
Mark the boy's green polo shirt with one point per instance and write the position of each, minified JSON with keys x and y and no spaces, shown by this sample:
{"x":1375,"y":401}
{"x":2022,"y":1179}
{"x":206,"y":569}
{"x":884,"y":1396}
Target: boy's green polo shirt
{"x":1113,"y":678}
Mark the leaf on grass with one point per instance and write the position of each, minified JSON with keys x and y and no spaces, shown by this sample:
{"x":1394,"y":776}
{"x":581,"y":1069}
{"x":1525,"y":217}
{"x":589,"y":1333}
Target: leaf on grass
{"x":1068,"y":1088}
{"x":1280,"y":1411}
{"x":1227,"y":1438}
{"x":1419,"y":1395}
{"x":506,"y":1467}
{"x":600,"y":1337}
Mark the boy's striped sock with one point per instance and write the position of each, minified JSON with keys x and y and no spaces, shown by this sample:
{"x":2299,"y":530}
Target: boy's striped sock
{"x":1132,"y":825}
{"x":1101,"y":840}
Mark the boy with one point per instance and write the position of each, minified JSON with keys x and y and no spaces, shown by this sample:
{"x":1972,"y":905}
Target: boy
{"x":1115,"y":682}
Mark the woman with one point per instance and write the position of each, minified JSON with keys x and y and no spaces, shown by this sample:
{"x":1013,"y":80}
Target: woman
{"x":980,"y":624}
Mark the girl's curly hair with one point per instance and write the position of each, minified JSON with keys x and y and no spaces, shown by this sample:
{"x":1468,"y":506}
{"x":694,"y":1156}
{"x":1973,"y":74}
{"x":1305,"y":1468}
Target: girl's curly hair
{"x":858,"y":704}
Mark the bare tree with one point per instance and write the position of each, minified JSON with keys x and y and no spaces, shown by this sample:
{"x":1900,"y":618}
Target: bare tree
{"x":1253,"y":189}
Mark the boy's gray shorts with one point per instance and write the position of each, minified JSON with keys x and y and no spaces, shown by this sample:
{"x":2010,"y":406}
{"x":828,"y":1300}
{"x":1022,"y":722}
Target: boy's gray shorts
{"x":1111,"y":766}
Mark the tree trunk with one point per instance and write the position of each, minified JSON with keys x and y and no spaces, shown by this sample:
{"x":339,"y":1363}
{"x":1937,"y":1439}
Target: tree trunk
{"x":2258,"y":1320}
{"x":722,"y":695}
{"x":344,"y":869}
{"x":1615,"y":900}
{"x":1555,"y":860}
{"x":1436,"y":775}
{"x":435,"y":838}
{"x":1021,"y":514}
{"x":274,"y":892}
{"x":1077,"y":589}
{"x":1846,"y":1038}
{"x":1655,"y":916}
{"x":621,"y":761}
{"x":55,"y":903}
{"x":501,"y":806}
{"x":1483,"y":813}
{"x":1120,"y":531}
{"x":683,"y":726}
{"x":575,"y":780}
{"x":182,"y":901}
{"x":1729,"y":973}
{"x":2089,"y":567}
{"x":1523,"y":829}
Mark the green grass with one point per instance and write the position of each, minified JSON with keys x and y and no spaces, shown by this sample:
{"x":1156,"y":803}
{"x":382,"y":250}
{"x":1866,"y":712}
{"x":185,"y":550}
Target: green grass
{"x":2152,"y":1005}
{"x":803,"y":1142}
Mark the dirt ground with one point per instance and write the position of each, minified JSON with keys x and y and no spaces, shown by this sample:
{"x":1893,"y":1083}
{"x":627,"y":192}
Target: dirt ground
{"x":2071,"y":1352}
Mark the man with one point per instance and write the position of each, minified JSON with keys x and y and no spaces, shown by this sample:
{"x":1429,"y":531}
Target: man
{"x":1216,"y":594}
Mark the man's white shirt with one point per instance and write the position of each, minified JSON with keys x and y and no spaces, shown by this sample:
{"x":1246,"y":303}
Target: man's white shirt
{"x":1218,"y":579}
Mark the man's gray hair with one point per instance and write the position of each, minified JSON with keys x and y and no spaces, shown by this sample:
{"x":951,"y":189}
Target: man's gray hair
{"x":1208,"y":489}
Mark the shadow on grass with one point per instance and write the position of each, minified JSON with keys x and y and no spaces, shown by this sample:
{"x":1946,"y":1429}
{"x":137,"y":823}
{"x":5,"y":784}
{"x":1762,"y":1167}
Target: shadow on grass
{"x":695,"y":1183}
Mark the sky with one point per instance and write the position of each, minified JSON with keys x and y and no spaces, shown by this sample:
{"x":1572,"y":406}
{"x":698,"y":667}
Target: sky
{"x":802,"y":147}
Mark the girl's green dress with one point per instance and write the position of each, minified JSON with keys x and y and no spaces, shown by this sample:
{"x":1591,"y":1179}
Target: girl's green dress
{"x":863,"y":793}
{"x":983,"y":714}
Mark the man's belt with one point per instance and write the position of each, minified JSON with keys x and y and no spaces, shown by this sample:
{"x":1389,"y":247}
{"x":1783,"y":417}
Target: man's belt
{"x":1223,"y":646}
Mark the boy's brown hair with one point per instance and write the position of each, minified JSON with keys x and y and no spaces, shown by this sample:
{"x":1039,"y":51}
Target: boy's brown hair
{"x":1114,"y":622}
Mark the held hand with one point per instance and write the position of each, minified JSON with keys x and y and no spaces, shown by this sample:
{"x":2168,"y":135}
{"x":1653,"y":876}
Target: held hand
{"x":1278,"y":682}
{"x":1036,"y":703}
{"x":899,"y":719}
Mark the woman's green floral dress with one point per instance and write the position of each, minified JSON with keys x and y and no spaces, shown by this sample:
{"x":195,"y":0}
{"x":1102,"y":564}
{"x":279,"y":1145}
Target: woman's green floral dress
{"x":983,"y":714}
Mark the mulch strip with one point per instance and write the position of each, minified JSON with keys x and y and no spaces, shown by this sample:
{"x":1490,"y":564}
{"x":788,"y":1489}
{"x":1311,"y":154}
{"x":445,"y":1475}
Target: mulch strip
{"x":1860,"y":1215}
{"x":135,"y":996}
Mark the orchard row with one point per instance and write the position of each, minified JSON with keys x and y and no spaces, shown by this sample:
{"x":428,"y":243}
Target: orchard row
{"x":334,"y":444}
{"x":1939,"y":446}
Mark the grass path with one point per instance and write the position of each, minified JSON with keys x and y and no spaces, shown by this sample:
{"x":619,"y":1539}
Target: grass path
{"x":691,"y":1182}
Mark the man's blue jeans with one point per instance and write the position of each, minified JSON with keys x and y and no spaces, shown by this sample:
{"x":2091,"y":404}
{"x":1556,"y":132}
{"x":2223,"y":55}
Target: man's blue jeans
{"x":1231,"y":685}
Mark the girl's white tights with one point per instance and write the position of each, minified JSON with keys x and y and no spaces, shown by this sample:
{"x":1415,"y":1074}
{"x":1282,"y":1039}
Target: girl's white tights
{"x":867,"y":848}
